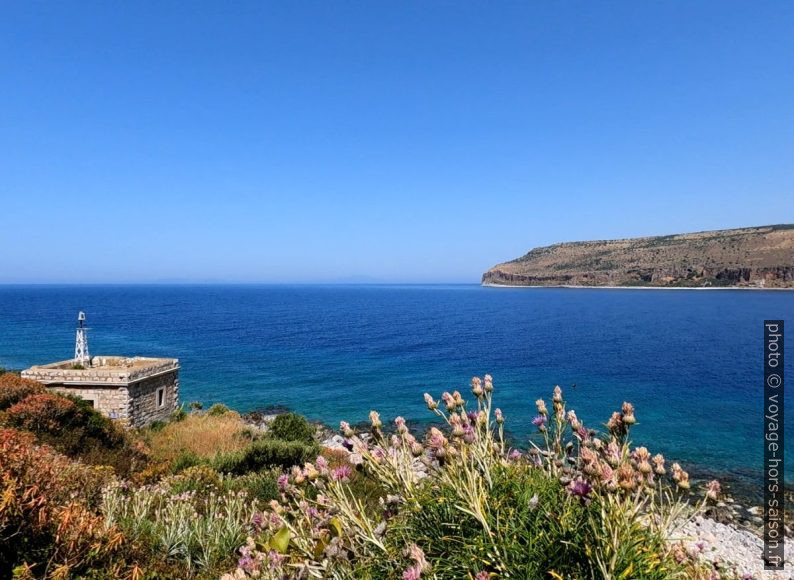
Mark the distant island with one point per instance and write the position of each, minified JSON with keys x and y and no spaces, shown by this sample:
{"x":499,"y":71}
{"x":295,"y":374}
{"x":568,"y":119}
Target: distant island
{"x":755,"y":257}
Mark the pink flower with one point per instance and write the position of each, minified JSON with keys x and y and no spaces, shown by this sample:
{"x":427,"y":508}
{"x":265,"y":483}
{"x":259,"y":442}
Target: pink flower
{"x":341,"y":473}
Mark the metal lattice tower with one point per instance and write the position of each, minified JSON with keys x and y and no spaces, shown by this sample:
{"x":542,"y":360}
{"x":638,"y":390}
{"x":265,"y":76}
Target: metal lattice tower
{"x":81,"y":355}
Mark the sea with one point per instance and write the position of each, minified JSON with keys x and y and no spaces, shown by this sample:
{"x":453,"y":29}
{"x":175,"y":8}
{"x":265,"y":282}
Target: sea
{"x":691,"y":361}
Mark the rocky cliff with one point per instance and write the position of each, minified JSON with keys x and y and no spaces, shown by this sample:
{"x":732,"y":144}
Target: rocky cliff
{"x":746,"y":257}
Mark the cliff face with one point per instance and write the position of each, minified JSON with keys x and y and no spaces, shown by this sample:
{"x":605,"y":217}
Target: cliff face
{"x":746,"y":257}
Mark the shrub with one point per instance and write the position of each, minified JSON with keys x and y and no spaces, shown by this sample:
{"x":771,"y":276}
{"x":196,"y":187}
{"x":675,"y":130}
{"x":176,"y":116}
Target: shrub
{"x":14,"y":388}
{"x":265,"y":453}
{"x":178,"y":414}
{"x":291,"y":427}
{"x":196,"y":406}
{"x":218,"y":409}
{"x":73,"y":427}
{"x":185,"y":460}
{"x":260,"y":486}
{"x":47,"y":514}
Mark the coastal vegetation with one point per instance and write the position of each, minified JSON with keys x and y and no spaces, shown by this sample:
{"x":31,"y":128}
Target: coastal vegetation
{"x":208,"y":494}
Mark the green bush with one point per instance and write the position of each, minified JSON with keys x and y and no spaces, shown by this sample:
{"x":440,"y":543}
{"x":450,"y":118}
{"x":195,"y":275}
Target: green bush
{"x":185,"y":460}
{"x":217,"y":409}
{"x":196,"y":406}
{"x":260,"y":486}
{"x":265,"y":453}
{"x":178,"y":414}
{"x":292,"y":427}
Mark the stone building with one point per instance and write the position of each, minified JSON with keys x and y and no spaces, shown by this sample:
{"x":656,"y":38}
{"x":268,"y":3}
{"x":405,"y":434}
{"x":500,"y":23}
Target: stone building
{"x":136,"y":390}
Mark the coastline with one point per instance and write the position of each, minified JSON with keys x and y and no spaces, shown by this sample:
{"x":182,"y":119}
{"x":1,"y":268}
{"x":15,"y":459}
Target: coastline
{"x":576,"y":286}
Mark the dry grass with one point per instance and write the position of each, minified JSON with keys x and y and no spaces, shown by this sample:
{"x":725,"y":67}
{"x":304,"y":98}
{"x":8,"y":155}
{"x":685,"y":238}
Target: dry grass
{"x":204,"y":435}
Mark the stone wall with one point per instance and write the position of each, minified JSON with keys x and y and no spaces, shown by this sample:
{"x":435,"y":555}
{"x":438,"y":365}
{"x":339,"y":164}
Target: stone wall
{"x":143,"y":407}
{"x":112,"y":402}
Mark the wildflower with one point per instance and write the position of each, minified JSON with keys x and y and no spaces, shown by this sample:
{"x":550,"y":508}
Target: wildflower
{"x":540,"y":422}
{"x":282,"y":481}
{"x":573,"y":420}
{"x":401,"y":428}
{"x":612,"y":453}
{"x":482,"y":576}
{"x":468,"y":434}
{"x":713,"y":489}
{"x":418,"y":556}
{"x":416,"y":449}
{"x":533,"y":502}
{"x":275,"y":559}
{"x":626,"y":477}
{"x":541,"y":405}
{"x":341,"y":473}
{"x":322,"y":464}
{"x":615,"y":423}
{"x":514,"y":455}
{"x":455,"y":423}
{"x":449,"y":401}
{"x":412,"y":573}
{"x":557,"y":397}
{"x":476,"y":387}
{"x":344,"y":427}
{"x":628,"y":414}
{"x":658,"y":464}
{"x":580,"y":489}
{"x":257,"y":521}
{"x":456,"y":396}
{"x":499,"y":417}
{"x":309,"y":472}
{"x":374,"y":418}
{"x":431,"y":404}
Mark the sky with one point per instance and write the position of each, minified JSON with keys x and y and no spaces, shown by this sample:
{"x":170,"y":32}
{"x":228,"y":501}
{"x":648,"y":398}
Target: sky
{"x":404,"y":141}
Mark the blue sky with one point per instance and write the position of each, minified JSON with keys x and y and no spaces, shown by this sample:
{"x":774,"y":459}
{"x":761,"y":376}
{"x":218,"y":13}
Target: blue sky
{"x":397,"y":141}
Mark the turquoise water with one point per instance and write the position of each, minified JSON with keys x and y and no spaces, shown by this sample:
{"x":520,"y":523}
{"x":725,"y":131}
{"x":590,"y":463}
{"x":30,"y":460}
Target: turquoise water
{"x":690,"y":361}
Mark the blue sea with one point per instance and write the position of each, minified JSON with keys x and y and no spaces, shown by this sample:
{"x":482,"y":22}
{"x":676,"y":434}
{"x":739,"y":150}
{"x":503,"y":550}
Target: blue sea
{"x":689,"y":360}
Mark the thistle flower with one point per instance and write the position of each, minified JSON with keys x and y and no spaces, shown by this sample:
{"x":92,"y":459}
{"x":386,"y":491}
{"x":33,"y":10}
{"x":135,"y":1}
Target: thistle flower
{"x":514,"y":455}
{"x":374,"y":418}
{"x":341,"y":473}
{"x":449,"y":401}
{"x":482,"y":575}
{"x":541,"y":405}
{"x":713,"y":489}
{"x":401,"y":428}
{"x":612,"y":453}
{"x":540,"y":422}
{"x":499,"y":417}
{"x":322,"y":464}
{"x":431,"y":404}
{"x":580,"y":488}
{"x":573,"y":420}
{"x":488,"y":383}
{"x":282,"y":481}
{"x":468,"y":434}
{"x":628,"y":414}
{"x":658,"y":464}
{"x":615,"y":423}
{"x":456,"y":424}
{"x":626,"y":477}
{"x":416,"y":554}
{"x":557,"y":397}
{"x":683,"y":480}
{"x":476,"y":387}
{"x":309,"y":472}
{"x":344,"y":427}
{"x":458,"y":399}
{"x":412,"y":573}
{"x":416,"y":449}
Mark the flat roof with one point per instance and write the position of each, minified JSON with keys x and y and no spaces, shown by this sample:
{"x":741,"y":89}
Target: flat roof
{"x":103,"y":369}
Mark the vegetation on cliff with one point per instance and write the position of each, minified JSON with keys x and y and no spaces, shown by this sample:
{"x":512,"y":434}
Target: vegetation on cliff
{"x":208,"y":494}
{"x":746,"y":257}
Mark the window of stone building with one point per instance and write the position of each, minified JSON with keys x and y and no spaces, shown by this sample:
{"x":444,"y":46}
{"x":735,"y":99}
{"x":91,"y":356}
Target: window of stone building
{"x":161,"y":397}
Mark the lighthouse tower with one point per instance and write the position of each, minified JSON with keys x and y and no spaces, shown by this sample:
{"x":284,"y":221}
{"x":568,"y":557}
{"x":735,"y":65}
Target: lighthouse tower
{"x":81,"y":355}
